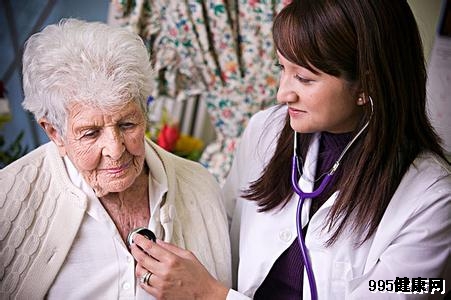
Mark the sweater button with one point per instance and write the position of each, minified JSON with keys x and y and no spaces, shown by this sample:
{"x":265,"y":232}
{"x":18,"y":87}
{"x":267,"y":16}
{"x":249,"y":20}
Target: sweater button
{"x":126,"y":286}
{"x":285,"y":235}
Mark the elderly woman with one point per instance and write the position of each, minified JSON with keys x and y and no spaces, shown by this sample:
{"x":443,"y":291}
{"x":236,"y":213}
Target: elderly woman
{"x":67,"y":207}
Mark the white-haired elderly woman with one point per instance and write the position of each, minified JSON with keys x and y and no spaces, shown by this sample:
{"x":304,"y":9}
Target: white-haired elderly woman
{"x":67,"y":207}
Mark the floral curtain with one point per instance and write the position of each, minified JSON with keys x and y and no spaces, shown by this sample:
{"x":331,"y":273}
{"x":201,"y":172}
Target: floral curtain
{"x":218,"y":50}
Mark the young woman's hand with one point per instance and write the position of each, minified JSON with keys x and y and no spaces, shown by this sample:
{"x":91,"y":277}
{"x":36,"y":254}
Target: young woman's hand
{"x":176,"y":272}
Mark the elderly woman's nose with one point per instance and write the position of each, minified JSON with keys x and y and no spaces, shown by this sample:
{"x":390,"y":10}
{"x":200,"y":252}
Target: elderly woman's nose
{"x":113,"y":143}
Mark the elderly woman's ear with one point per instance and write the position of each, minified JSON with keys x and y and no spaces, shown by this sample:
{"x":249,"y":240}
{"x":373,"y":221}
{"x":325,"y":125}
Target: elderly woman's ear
{"x":53,"y":135}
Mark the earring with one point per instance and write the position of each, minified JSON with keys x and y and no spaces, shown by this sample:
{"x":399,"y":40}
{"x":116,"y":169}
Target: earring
{"x":361,"y":101}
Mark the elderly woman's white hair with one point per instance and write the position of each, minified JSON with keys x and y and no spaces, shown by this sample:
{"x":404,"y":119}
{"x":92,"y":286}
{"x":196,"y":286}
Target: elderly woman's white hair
{"x":87,"y":62}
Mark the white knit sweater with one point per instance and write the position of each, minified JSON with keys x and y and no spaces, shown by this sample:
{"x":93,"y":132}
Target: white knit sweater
{"x":41,"y":212}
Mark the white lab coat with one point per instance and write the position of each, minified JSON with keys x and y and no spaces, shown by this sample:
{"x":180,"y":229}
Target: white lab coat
{"x":413,"y":239}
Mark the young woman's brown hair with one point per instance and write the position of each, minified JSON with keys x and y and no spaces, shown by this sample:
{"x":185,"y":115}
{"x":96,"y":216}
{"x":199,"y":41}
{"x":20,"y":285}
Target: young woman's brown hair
{"x":359,"y":41}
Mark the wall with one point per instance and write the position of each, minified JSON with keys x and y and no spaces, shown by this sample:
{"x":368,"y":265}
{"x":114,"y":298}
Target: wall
{"x":439,"y":80}
{"x":426,"y":13}
{"x":24,"y":15}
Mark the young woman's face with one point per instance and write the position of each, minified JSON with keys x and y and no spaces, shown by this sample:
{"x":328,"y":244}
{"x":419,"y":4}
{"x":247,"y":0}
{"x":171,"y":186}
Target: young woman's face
{"x":317,"y":102}
{"x":107,"y":147}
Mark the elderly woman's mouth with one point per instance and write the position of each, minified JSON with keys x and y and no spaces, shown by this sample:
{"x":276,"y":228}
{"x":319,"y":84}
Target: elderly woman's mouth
{"x":116,"y":170}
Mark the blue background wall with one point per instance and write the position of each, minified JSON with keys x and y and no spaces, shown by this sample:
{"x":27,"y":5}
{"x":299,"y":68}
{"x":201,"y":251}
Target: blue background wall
{"x":24,"y":14}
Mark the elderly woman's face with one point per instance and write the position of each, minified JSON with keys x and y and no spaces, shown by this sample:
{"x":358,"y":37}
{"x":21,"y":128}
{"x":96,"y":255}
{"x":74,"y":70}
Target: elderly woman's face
{"x":107,"y":147}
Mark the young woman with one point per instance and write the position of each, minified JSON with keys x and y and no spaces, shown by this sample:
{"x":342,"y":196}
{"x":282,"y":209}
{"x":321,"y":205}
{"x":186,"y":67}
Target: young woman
{"x":374,"y":204}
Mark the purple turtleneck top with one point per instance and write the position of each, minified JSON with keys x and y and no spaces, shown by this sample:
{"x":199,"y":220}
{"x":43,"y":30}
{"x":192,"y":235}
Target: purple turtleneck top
{"x":285,"y":279}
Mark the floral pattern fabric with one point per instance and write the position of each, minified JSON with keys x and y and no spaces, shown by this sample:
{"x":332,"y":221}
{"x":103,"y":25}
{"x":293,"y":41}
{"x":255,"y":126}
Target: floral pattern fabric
{"x":217,"y":50}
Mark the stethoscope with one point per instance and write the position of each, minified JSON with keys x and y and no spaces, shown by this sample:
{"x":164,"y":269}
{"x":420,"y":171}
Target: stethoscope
{"x":302,"y":195}
{"x":147,"y":233}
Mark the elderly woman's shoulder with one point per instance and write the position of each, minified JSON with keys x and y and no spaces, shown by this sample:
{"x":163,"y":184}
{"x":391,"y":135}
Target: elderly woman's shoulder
{"x":187,"y":172}
{"x":31,"y":160}
{"x":191,"y":170}
{"x":19,"y":179}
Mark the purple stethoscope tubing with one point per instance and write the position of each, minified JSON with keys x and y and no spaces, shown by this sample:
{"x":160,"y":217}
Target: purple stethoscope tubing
{"x":303,"y":195}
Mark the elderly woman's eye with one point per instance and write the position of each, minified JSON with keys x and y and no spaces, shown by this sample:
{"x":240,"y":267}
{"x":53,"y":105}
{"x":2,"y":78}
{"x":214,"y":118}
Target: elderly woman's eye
{"x":127,"y":125}
{"x":90,"y":134}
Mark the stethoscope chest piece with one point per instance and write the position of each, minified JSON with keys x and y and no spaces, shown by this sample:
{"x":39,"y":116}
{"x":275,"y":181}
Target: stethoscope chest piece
{"x":143,"y":231}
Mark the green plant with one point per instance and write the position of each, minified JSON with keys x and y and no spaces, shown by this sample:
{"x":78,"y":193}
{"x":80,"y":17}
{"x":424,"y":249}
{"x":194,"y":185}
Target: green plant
{"x":10,"y":153}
